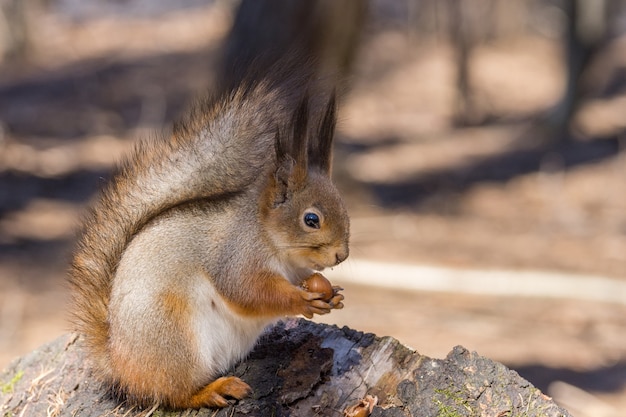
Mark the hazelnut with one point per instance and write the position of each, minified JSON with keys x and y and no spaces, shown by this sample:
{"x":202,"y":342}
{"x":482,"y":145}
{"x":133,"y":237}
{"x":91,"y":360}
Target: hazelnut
{"x":318,"y":283}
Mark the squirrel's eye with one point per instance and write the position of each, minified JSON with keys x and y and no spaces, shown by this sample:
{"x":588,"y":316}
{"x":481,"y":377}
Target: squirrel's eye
{"x":312,"y":220}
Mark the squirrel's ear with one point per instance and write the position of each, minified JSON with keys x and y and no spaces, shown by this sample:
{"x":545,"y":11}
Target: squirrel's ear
{"x":291,"y":157}
{"x":320,"y":149}
{"x":284,"y":168}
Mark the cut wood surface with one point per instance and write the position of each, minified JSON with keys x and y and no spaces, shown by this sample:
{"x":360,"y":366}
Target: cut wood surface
{"x":298,"y":368}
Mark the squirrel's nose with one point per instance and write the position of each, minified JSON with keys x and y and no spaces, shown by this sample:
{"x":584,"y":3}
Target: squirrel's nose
{"x":341,"y":256}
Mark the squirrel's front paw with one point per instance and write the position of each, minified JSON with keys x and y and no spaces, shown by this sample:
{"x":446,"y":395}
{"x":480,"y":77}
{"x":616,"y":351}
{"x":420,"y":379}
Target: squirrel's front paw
{"x":314,"y":303}
{"x":336,"y":300}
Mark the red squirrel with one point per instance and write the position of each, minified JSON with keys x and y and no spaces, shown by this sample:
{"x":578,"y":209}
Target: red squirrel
{"x":202,"y":239}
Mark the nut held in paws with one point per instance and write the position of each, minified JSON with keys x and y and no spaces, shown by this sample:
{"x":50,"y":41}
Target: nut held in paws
{"x":318,"y":283}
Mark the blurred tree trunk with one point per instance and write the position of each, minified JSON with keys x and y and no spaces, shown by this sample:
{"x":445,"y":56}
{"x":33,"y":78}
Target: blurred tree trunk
{"x":585,"y":35}
{"x":466,"y":19}
{"x":14,"y":37}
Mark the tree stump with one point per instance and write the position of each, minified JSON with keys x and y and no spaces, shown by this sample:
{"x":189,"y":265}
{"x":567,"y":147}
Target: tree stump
{"x":298,"y":368}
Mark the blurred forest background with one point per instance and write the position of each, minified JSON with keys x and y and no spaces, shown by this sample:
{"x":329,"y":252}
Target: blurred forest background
{"x":476,"y":135}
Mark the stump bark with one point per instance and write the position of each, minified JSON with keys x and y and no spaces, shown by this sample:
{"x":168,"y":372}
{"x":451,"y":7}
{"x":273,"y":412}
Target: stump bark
{"x":298,"y":368}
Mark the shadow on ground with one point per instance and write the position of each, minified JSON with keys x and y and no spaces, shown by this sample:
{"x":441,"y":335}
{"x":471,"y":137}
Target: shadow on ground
{"x":601,"y":380}
{"x":500,"y":168}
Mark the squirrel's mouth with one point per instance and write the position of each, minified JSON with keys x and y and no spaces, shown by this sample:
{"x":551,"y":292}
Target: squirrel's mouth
{"x":318,"y":265}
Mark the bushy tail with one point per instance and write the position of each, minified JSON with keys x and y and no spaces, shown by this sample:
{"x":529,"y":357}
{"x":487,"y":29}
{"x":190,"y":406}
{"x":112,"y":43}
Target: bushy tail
{"x":269,"y":31}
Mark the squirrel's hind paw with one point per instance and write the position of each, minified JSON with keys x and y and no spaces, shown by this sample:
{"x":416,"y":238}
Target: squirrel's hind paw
{"x":215,"y":394}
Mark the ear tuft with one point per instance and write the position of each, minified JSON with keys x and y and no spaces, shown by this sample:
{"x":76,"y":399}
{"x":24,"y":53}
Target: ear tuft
{"x":300,"y":136}
{"x":320,"y":152}
{"x":283,"y":172}
{"x":298,"y":144}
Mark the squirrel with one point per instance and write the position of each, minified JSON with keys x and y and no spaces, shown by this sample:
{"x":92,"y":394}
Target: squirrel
{"x":203,"y":238}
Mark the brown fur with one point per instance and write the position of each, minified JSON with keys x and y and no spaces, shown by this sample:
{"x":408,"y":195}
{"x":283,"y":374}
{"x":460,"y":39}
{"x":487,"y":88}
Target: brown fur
{"x":270,"y":295}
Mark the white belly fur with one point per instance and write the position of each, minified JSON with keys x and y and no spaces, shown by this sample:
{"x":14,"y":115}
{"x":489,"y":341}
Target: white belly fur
{"x":150,"y":268}
{"x":223,"y":337}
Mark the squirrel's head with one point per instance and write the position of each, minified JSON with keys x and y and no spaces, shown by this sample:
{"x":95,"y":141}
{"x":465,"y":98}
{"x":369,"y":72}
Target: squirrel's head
{"x":305,"y":215}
